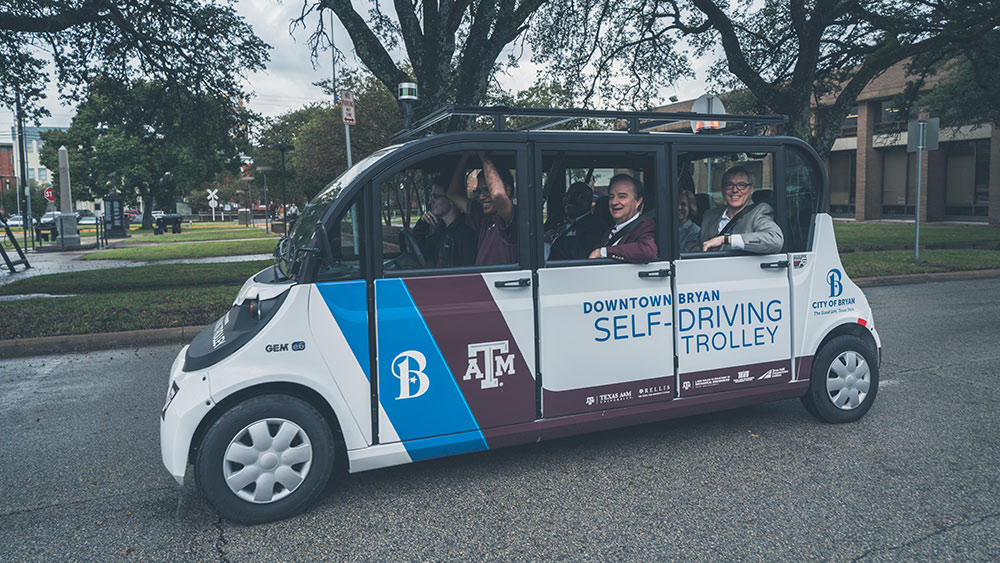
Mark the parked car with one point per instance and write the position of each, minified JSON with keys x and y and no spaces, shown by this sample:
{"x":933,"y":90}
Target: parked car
{"x":50,"y":217}
{"x":87,"y":220}
{"x":18,"y":221}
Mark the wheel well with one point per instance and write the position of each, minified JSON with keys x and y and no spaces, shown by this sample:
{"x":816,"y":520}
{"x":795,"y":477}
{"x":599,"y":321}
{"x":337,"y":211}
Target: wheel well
{"x":292,"y":389}
{"x":852,"y":329}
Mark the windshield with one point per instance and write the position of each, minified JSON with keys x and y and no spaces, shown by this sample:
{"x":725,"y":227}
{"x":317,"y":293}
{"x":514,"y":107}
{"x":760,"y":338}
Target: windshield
{"x":289,"y":258}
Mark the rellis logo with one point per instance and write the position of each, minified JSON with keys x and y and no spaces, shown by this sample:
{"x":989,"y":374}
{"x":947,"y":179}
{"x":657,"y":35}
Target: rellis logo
{"x":408,"y":367}
{"x":495,"y":364}
{"x":833,"y":278}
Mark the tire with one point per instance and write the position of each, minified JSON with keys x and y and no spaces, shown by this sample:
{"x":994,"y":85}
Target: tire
{"x":265,"y":459}
{"x":844,"y":380}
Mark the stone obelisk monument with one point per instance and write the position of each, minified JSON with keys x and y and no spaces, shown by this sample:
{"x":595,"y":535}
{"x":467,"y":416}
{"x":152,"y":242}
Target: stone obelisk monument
{"x":68,"y":235}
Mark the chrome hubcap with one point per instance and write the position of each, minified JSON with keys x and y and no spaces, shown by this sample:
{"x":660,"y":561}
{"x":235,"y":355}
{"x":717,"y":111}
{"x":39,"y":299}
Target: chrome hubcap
{"x":267,"y":460}
{"x":848,"y":380}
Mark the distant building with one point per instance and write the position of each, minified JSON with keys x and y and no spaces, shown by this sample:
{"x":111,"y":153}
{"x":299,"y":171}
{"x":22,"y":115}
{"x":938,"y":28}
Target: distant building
{"x":873,"y":177}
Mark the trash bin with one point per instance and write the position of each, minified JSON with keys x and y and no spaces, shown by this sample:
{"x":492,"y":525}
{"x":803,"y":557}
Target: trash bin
{"x":244,"y":217}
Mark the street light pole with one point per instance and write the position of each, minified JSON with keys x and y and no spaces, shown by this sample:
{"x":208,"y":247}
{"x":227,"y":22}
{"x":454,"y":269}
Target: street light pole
{"x":283,"y":148}
{"x":267,"y":208}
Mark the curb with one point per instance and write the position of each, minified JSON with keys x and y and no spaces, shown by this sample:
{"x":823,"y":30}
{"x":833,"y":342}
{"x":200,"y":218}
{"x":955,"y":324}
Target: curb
{"x":181,"y":335}
{"x":46,"y":345}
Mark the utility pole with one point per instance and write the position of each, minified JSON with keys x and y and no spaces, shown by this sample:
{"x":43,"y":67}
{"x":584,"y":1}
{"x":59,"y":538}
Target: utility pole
{"x":28,"y":222}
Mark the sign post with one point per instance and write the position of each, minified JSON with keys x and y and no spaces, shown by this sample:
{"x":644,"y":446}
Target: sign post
{"x":347,"y":112}
{"x":213,"y":201}
{"x":921,"y":135}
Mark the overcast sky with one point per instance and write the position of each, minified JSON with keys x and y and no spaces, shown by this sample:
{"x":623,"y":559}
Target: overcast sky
{"x":287,"y":82}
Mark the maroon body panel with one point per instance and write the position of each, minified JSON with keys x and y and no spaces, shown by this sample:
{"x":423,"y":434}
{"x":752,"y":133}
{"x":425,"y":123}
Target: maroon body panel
{"x":549,"y":428}
{"x":603,"y":397}
{"x":736,"y":377}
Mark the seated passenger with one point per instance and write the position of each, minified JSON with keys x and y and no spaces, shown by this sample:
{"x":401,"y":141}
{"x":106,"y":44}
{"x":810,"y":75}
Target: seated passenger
{"x":579,"y":231}
{"x":632,"y":238}
{"x":740,"y":225}
{"x":492,"y":217}
{"x":687,"y":206}
{"x":444,"y":237}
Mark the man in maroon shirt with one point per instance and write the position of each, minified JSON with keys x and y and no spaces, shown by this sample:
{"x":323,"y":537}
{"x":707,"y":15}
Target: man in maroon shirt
{"x":632,"y":238}
{"x":492,"y":216}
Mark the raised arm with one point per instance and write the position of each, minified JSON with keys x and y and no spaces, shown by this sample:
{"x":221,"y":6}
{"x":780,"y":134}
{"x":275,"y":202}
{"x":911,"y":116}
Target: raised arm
{"x":498,"y":192}
{"x":456,"y":189}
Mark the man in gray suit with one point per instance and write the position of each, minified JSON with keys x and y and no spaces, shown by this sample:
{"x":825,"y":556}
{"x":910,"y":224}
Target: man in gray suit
{"x":741,"y":225}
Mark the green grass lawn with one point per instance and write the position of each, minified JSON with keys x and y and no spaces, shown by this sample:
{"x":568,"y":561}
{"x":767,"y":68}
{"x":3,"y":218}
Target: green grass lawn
{"x":114,"y":312}
{"x":896,"y":262}
{"x":186,"y":250}
{"x":881,"y":236}
{"x":200,"y":235}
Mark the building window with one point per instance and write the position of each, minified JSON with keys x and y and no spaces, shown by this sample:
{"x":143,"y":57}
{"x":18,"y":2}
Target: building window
{"x":889,"y":119}
{"x":967,"y":178}
{"x":843,"y":182}
{"x":899,"y":182}
{"x":31,"y":173}
{"x":849,"y":126}
{"x":43,"y":174}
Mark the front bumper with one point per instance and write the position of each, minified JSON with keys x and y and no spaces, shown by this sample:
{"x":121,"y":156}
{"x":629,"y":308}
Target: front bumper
{"x":188,"y":401}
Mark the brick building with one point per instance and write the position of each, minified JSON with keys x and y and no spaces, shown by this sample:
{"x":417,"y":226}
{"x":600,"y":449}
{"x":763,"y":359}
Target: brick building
{"x":873,"y":177}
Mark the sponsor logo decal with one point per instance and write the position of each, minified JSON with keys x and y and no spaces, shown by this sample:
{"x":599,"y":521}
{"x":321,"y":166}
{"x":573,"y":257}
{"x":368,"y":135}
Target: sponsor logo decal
{"x":800,"y":260}
{"x":298,"y":346}
{"x":408,"y":367}
{"x":772,"y":373}
{"x":743,"y":376}
{"x":496,"y":363}
{"x":833,"y":278}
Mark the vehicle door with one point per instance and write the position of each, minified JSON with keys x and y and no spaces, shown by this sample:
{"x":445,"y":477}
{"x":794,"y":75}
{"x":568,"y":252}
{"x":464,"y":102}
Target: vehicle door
{"x":733,"y":310}
{"x":605,"y":327}
{"x":455,"y":340}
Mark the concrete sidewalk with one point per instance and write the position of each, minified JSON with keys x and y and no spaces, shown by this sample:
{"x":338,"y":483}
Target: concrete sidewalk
{"x":69,"y":261}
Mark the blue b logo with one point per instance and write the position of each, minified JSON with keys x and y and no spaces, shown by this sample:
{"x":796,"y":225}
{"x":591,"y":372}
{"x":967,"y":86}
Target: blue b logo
{"x":833,"y":278}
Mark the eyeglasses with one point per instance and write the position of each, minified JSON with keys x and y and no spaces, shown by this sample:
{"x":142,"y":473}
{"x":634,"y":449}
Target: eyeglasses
{"x":736,"y":186}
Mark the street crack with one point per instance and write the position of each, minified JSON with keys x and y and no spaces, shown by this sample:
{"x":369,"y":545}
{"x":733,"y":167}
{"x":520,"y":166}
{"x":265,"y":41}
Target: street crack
{"x":928,"y":536}
{"x":221,"y":541}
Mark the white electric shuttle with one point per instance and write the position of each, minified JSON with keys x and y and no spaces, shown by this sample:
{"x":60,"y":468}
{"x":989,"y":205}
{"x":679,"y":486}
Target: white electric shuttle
{"x":370,"y":344}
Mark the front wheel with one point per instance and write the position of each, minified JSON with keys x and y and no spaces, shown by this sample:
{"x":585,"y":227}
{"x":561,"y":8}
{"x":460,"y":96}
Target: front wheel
{"x":265,"y":459}
{"x":844,"y":380}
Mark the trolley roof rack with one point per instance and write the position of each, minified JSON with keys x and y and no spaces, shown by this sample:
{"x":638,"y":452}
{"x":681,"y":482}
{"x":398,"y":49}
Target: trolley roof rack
{"x":636,"y":121}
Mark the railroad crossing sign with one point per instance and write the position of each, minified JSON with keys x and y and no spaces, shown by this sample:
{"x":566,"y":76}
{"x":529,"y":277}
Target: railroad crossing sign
{"x":213,"y":198}
{"x":50,"y":194}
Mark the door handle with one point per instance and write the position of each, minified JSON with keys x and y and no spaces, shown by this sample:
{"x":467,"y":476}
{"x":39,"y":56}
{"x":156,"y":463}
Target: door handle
{"x":774,"y":265}
{"x":522,"y":282}
{"x":662,"y":273}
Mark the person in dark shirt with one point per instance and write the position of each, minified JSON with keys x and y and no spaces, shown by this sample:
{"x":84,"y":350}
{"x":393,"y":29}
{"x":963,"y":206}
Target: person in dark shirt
{"x":632,"y":239}
{"x":442,"y":233}
{"x":578,"y":230}
{"x":492,"y":216}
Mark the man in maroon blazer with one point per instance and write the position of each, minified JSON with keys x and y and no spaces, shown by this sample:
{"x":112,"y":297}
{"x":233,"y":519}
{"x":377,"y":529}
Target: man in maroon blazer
{"x":632,"y":238}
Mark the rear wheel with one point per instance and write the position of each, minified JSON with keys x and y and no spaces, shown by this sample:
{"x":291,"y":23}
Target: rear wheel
{"x":265,"y":459}
{"x":844,"y":380}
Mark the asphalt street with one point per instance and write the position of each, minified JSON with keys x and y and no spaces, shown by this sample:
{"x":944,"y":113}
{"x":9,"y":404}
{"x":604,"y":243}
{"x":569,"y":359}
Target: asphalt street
{"x":917,"y":479}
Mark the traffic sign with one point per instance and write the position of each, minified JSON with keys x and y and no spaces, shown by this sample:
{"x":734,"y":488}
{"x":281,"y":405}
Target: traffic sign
{"x":347,"y":107}
{"x":212,"y":203}
{"x":50,"y":194}
{"x":707,"y":103}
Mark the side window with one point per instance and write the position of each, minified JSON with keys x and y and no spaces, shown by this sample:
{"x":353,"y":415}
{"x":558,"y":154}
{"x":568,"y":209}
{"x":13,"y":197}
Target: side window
{"x":716,"y":186}
{"x":346,"y":245}
{"x":586,"y":196}
{"x":803,"y":186}
{"x":452,"y":210}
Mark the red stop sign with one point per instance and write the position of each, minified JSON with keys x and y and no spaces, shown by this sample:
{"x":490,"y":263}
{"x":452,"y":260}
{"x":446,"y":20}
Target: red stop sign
{"x":50,"y":194}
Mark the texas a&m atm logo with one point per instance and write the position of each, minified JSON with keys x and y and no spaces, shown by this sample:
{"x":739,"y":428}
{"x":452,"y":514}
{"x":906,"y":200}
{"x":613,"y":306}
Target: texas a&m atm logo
{"x":496,"y":363}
